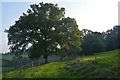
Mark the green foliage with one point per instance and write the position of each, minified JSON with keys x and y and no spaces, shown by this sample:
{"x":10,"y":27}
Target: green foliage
{"x":44,"y":27}
{"x":112,"y":38}
{"x":93,"y":43}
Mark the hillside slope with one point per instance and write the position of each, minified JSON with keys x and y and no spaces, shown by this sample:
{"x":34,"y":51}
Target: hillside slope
{"x":105,"y":66}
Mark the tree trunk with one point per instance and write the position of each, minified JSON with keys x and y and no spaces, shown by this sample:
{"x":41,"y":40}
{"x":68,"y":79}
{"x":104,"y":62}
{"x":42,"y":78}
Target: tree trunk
{"x":61,"y":58}
{"x":95,"y":62}
{"x":46,"y":59}
{"x":68,"y":56}
{"x":42,"y":60}
{"x":20,"y":72}
{"x":39,"y":63}
{"x":32,"y":66}
{"x":4,"y":77}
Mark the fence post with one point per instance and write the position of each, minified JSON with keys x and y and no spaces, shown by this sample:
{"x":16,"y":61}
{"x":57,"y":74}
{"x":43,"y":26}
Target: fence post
{"x":4,"y":77}
{"x":95,"y":59}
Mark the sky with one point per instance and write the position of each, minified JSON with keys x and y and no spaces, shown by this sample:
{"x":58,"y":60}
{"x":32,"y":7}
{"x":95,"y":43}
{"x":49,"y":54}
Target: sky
{"x":95,"y":15}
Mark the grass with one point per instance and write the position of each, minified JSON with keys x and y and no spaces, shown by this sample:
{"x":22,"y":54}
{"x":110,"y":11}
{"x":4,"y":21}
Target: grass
{"x":6,"y":69}
{"x":7,"y":57}
{"x":5,"y":62}
{"x":106,"y":67}
{"x":10,"y":57}
{"x":104,"y":60}
{"x":51,"y":70}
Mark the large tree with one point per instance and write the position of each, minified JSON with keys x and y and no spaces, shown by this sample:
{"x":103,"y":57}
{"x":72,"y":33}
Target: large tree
{"x":46,"y":29}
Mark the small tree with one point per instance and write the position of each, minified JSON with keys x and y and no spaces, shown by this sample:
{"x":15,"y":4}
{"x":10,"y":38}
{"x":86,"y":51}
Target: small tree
{"x":35,"y":53}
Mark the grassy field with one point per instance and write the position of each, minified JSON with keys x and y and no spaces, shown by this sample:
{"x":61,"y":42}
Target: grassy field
{"x":7,"y":57}
{"x":10,"y":57}
{"x":106,"y":66}
{"x":6,"y":69}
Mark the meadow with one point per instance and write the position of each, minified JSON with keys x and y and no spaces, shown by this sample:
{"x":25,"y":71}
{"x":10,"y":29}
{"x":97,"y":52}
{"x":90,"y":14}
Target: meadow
{"x":104,"y":66}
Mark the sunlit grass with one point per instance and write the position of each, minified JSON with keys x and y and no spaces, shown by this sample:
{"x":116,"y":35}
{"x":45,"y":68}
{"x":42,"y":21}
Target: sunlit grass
{"x":51,"y":70}
{"x":105,"y":61}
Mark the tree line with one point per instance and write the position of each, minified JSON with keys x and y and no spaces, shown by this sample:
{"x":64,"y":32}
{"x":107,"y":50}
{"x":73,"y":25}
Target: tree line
{"x":94,"y":42}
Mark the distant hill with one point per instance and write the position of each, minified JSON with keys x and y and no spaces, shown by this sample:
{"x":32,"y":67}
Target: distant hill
{"x":9,"y":53}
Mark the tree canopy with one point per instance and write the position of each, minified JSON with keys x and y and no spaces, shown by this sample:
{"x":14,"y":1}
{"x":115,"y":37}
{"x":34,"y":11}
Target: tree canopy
{"x":93,"y":42}
{"x":46,"y":29}
{"x":112,"y":38}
